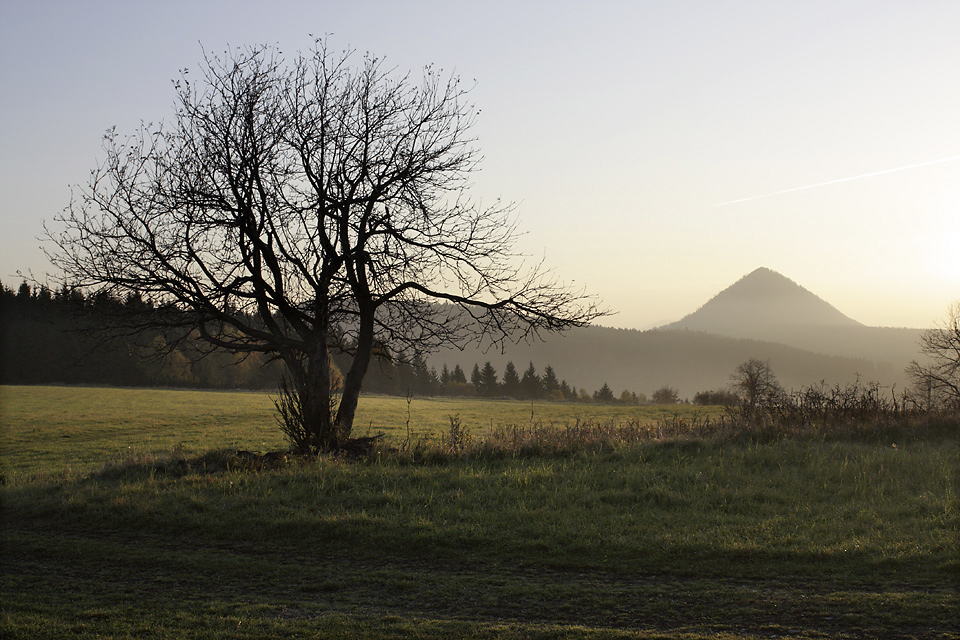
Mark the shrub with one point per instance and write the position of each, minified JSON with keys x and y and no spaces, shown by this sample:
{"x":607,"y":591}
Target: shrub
{"x":722,"y":397}
{"x":666,"y":395}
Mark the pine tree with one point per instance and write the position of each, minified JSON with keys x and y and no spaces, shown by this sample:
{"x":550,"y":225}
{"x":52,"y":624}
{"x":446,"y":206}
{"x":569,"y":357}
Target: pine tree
{"x":604,"y":394}
{"x":423,"y":379}
{"x":488,"y":381}
{"x":475,"y":379}
{"x":444,"y":375}
{"x":530,"y":383}
{"x":511,"y":381}
{"x":551,"y":386}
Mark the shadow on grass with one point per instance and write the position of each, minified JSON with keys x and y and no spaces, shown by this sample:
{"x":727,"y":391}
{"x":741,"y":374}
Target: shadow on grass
{"x":72,"y":573}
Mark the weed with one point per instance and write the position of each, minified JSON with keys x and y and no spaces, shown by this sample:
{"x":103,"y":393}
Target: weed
{"x":458,"y":438}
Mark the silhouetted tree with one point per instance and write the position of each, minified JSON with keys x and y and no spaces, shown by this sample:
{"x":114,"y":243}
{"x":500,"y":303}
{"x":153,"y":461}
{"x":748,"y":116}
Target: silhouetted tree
{"x":755,"y":384}
{"x":425,"y":380}
{"x":603,"y":394}
{"x":530,"y":383}
{"x":475,"y":378}
{"x":551,"y":386}
{"x":937,"y":379}
{"x":303,"y":209}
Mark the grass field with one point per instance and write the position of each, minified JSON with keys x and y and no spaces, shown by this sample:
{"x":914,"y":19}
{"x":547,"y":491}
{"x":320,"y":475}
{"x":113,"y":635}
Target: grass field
{"x":112,"y":530}
{"x":80,"y":428}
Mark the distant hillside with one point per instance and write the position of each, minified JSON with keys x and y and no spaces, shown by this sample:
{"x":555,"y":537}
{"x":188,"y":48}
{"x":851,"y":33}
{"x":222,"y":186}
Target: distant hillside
{"x":766,"y":306}
{"x":760,"y":301}
{"x":763,"y":315}
{"x":690,"y":361}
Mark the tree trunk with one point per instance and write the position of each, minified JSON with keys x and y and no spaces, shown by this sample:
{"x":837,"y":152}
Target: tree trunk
{"x":317,"y":391}
{"x":354,"y":379}
{"x":311,"y":380}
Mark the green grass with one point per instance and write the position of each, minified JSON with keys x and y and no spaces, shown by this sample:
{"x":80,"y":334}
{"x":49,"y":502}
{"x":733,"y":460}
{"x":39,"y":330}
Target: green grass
{"x":48,"y":429}
{"x":693,"y":539}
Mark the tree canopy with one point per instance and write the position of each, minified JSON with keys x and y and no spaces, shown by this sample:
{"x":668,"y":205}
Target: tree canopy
{"x":299,"y":207}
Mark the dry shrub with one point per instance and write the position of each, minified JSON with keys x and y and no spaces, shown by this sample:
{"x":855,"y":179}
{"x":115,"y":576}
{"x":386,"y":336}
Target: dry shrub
{"x":550,"y":439}
{"x":855,"y":412}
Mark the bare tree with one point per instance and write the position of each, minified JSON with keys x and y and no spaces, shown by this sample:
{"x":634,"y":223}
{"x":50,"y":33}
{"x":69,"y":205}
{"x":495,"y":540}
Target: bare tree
{"x":300,"y":208}
{"x":937,"y":379}
{"x":755,"y":384}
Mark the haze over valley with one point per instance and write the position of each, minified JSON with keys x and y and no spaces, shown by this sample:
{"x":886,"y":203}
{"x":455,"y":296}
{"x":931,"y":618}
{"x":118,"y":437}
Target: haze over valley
{"x":763,"y":315}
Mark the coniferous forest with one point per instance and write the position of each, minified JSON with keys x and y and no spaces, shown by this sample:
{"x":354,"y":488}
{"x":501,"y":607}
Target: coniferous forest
{"x":57,"y":337}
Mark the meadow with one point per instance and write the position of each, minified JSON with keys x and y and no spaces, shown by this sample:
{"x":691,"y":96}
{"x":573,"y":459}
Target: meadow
{"x":119,"y":522}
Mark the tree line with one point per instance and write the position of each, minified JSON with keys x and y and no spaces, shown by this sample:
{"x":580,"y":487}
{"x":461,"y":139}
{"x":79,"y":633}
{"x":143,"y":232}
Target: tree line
{"x":62,"y":336}
{"x":56,"y":336}
{"x":59,"y":335}
{"x":51,"y":336}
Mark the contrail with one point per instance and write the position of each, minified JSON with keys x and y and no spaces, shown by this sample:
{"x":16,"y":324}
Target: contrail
{"x":823,"y":184}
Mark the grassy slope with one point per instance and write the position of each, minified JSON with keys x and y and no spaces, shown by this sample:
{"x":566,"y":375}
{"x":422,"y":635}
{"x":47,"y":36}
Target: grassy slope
{"x":658,"y":540}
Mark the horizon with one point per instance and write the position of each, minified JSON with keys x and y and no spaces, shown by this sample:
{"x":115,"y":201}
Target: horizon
{"x":656,"y":153}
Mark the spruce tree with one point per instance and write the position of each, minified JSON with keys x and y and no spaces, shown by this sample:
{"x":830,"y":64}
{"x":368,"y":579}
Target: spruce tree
{"x":530,"y":383}
{"x":488,"y":381}
{"x":551,"y":386}
{"x":475,"y":379}
{"x":511,"y":381}
{"x":605,"y":394}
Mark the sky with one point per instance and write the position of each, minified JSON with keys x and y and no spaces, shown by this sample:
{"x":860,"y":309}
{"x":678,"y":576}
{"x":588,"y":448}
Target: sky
{"x":656,"y":151}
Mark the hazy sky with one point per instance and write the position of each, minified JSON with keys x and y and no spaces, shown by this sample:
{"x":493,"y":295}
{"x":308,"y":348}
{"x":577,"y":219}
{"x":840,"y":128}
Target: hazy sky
{"x":617,"y":127}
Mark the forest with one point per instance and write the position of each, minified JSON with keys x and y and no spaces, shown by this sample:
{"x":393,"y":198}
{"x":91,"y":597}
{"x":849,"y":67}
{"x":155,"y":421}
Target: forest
{"x":57,"y":337}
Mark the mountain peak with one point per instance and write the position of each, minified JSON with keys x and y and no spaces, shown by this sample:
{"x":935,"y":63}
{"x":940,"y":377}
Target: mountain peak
{"x":761,"y":301}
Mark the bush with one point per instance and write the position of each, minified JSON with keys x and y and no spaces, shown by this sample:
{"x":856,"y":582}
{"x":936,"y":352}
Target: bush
{"x":723,"y":398}
{"x":666,"y":395}
{"x":857,"y":411}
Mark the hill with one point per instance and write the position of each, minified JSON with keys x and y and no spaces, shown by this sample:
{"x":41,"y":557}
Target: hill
{"x":763,"y":315}
{"x":766,"y":306}
{"x":761,"y":301}
{"x":689,"y":361}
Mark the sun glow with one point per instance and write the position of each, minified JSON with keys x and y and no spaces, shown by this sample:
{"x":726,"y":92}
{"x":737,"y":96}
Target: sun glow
{"x":946,"y":258}
{"x":943,"y":245}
